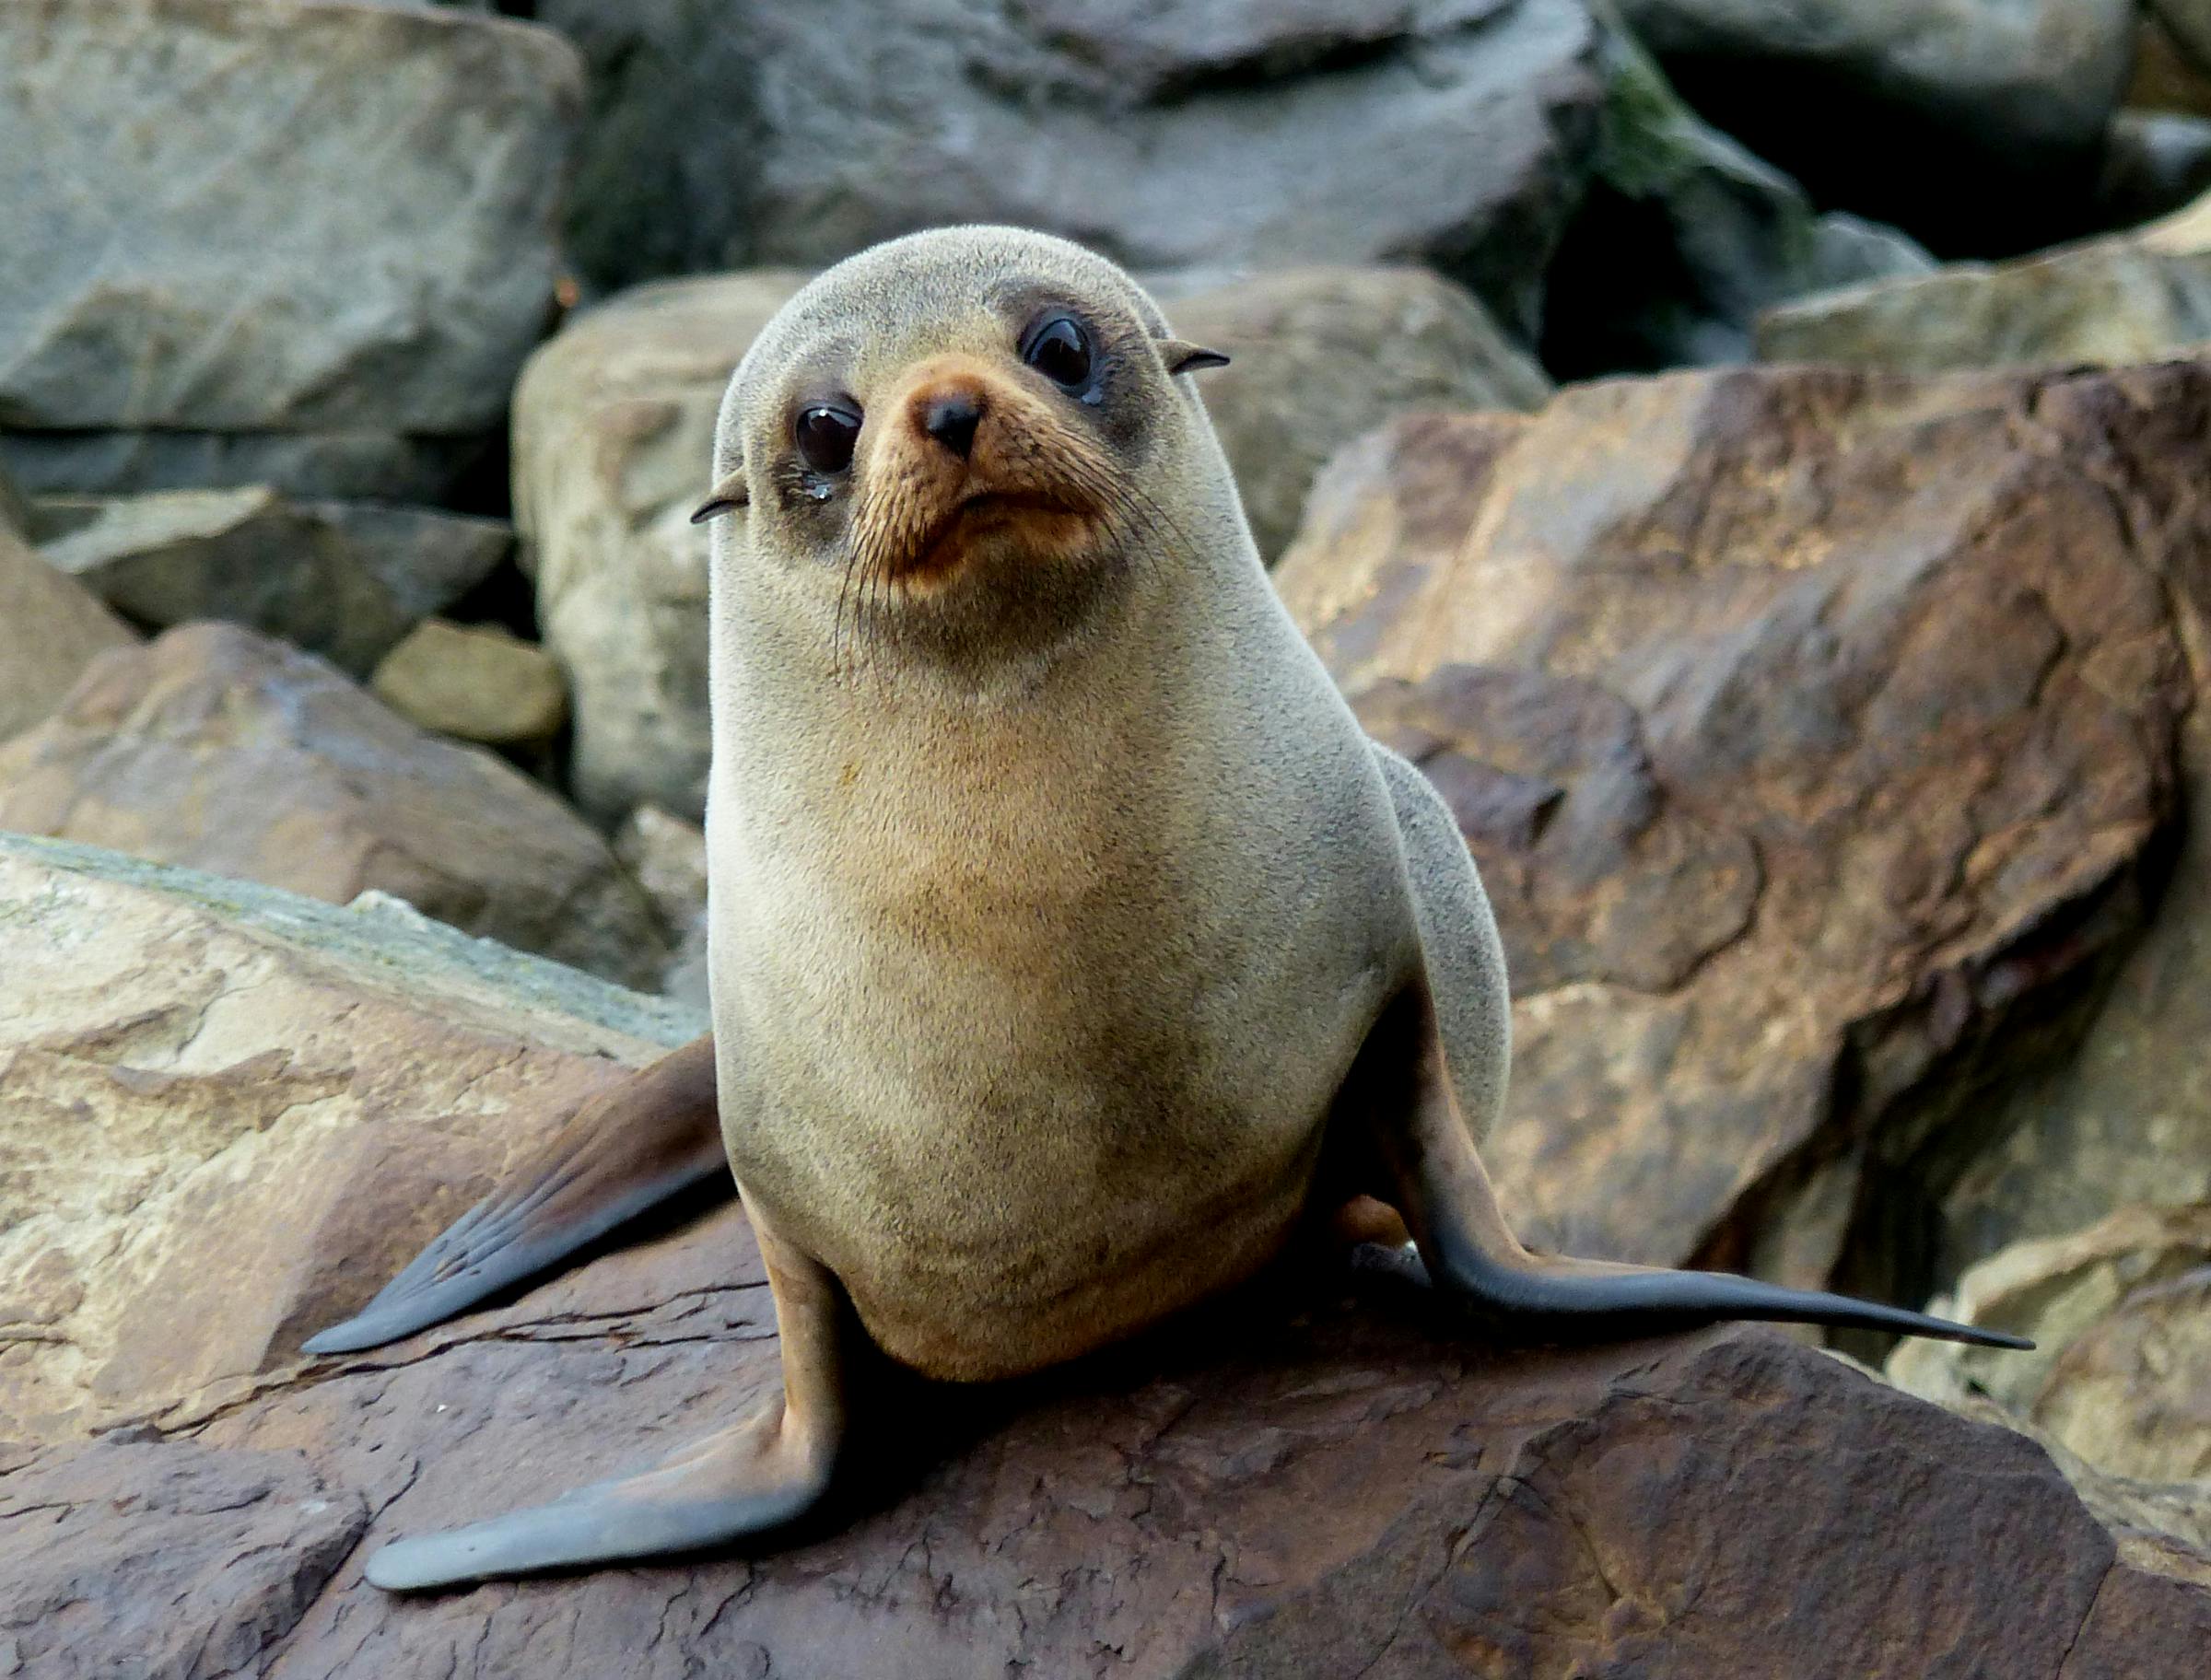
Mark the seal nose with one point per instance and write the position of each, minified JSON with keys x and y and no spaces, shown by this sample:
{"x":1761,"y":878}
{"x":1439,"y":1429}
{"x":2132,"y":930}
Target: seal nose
{"x":951,"y":417}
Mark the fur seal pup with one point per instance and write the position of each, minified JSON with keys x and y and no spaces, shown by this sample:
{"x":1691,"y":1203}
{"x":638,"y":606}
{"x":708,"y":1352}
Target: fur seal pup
{"x":1071,"y":944}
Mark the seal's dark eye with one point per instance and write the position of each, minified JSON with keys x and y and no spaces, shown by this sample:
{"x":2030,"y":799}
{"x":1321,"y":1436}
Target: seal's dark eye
{"x":1059,"y":350}
{"x":826,"y":435}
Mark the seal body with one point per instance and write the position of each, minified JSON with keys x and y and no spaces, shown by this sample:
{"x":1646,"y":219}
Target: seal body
{"x":1018,"y":1036}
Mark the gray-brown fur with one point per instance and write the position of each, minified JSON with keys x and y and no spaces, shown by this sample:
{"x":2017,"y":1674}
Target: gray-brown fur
{"x":1061,"y":912}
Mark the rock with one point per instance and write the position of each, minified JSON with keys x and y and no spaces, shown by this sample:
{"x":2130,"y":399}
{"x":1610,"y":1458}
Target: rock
{"x":232,"y":1113}
{"x":2154,"y":162}
{"x":2122,"y":1366}
{"x":320,"y":466}
{"x":1449,"y":132}
{"x":216,"y":748}
{"x":375,"y":253}
{"x":50,"y":626}
{"x":1973,"y":123}
{"x":668,"y":856}
{"x":1344,"y":1492}
{"x":2130,"y":297}
{"x":1684,"y":236}
{"x":2164,"y":78}
{"x":1818,"y":734}
{"x":2188,"y":23}
{"x":15,"y":512}
{"x":1321,"y":355}
{"x":614,"y":436}
{"x":347,"y":580}
{"x":477,"y":681}
{"x":163,"y":1560}
{"x":2127,"y":1118}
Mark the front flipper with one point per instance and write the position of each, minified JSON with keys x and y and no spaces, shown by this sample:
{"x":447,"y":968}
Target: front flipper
{"x":1444,"y":1193}
{"x":649,"y":1140}
{"x":759,"y":1475}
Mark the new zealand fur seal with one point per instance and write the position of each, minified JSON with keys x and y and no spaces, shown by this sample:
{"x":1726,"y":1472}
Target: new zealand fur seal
{"x":1072,"y":946}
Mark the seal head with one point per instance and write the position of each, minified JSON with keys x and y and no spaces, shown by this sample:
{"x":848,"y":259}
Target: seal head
{"x":951,"y":436}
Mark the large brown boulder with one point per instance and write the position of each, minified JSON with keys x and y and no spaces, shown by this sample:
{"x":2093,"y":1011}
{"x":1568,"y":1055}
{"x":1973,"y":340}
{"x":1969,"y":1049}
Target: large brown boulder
{"x":1819,"y":735}
{"x":233,"y":1112}
{"x":1351,"y":1488}
{"x":218,"y":748}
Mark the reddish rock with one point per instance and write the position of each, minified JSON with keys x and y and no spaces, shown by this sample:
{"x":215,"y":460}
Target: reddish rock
{"x":1819,"y":735}
{"x":218,"y":748}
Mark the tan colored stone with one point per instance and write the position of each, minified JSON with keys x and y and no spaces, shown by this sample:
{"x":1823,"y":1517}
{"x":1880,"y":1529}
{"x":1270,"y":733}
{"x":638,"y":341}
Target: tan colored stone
{"x":1321,"y":355}
{"x":231,"y":1112}
{"x":614,"y":438}
{"x":477,"y":681}
{"x":50,"y":626}
{"x":2136,"y":296}
{"x":668,"y":856}
{"x":1818,"y":735}
{"x":217,"y":748}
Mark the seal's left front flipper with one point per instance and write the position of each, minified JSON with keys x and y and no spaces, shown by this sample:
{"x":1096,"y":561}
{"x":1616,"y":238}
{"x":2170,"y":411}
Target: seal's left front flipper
{"x":649,"y":1140}
{"x":755,"y":1476}
{"x":1437,"y":1181}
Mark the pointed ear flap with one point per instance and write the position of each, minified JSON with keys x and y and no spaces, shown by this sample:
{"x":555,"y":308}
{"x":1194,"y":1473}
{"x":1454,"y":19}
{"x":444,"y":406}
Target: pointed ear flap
{"x":1182,"y":356}
{"x":725,"y":497}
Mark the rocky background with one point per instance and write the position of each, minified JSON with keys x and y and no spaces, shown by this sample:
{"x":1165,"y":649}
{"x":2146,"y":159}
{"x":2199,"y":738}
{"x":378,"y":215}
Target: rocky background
{"x":1751,"y":453}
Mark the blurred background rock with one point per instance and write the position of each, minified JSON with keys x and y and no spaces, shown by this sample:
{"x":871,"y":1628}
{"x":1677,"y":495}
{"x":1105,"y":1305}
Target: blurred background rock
{"x":1749,"y":452}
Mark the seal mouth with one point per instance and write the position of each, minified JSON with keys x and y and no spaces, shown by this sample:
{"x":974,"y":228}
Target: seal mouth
{"x":1039,"y":520}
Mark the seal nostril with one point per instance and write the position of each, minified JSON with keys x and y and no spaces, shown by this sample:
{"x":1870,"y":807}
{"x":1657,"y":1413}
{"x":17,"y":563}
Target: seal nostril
{"x":952,"y":419}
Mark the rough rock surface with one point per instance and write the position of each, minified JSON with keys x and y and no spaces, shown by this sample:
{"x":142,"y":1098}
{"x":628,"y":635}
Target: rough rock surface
{"x":50,"y":626}
{"x":477,"y":681}
{"x":347,"y":580}
{"x":614,"y":447}
{"x":2129,"y":298}
{"x":1347,"y":1491}
{"x":163,"y":1562}
{"x":216,"y":748}
{"x":1818,"y":735}
{"x":233,"y":1112}
{"x":1449,"y":131}
{"x":1321,"y":355}
{"x":15,"y":512}
{"x":2122,"y":1365}
{"x":1967,"y":121}
{"x":263,"y":217}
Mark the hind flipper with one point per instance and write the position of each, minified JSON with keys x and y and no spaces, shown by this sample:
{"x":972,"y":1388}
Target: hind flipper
{"x":1436,"y":1179}
{"x":1433,"y":1080}
{"x":649,"y":1140}
{"x":758,"y":1475}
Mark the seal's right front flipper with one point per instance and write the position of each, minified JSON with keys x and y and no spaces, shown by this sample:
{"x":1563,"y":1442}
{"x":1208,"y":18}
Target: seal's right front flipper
{"x":648,"y":1140}
{"x":759,"y":1475}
